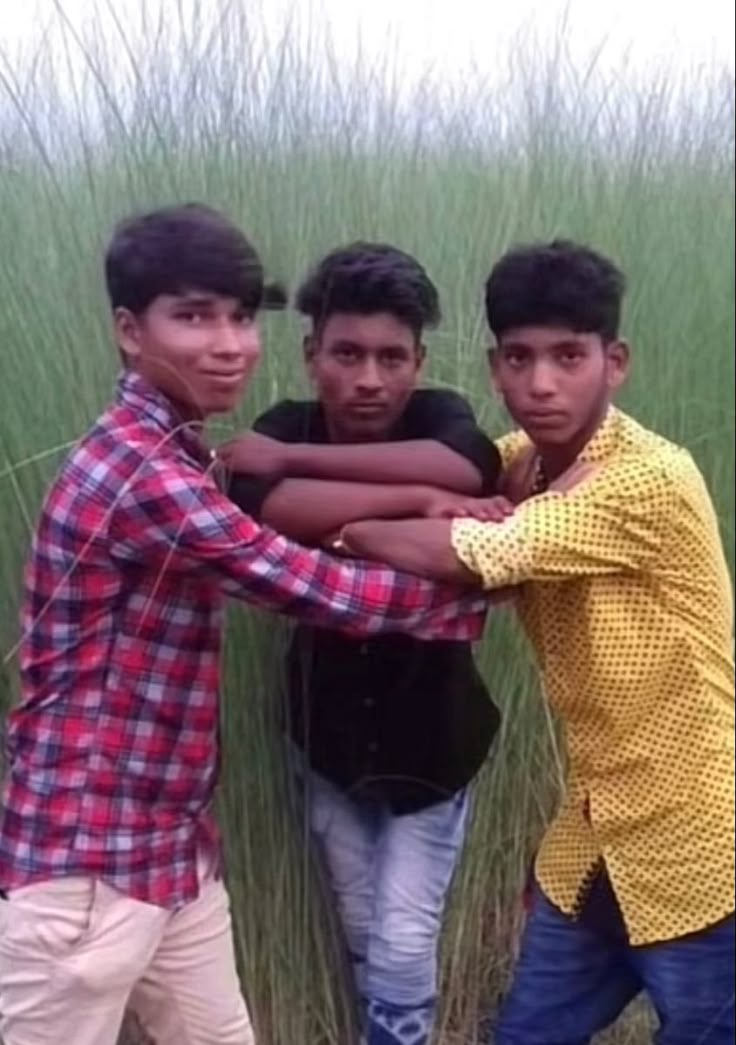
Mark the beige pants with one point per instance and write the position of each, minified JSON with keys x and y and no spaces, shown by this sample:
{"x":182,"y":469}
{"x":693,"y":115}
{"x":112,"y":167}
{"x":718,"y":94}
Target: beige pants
{"x":74,"y":953}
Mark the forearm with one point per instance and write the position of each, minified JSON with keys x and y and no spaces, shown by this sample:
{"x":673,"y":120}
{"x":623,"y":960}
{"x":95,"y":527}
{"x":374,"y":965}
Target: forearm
{"x":276,"y":574}
{"x":308,"y":510}
{"x":176,"y":523}
{"x":412,"y":461}
{"x":419,"y":546}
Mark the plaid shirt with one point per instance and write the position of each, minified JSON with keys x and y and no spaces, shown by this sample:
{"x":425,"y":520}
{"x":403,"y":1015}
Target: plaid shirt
{"x":113,"y":750}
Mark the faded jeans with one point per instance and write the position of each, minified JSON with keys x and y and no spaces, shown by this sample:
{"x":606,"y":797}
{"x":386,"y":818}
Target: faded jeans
{"x":390,"y":876}
{"x":572,"y":982}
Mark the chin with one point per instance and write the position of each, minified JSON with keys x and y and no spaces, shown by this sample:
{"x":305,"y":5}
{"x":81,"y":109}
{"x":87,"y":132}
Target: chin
{"x":546,"y":434}
{"x":547,"y":437}
{"x":366,"y":434}
{"x":223,"y":404}
{"x":219,"y":408}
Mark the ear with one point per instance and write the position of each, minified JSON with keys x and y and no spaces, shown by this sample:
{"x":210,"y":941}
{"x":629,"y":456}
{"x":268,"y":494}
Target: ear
{"x":420,"y":355}
{"x":618,"y":360}
{"x":309,"y":350}
{"x":127,"y":333}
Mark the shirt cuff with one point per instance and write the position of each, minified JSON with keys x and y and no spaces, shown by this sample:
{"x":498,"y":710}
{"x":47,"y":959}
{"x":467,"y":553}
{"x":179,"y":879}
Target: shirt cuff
{"x":495,"y":552}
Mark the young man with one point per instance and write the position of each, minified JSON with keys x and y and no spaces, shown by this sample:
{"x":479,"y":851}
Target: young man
{"x":108,"y":847}
{"x":391,"y":730}
{"x":627,"y":599}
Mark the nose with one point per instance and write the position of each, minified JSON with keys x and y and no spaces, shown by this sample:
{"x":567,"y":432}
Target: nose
{"x":235,"y":342}
{"x":542,"y":383}
{"x":369,"y":378}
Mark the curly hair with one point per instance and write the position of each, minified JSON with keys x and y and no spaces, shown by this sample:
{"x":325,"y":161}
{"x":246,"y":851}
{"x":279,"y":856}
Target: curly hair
{"x":366,"y":278}
{"x":184,"y":247}
{"x":555,"y":284}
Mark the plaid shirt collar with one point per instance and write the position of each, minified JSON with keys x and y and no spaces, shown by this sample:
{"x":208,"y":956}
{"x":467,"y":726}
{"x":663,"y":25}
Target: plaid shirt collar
{"x":155,"y":410}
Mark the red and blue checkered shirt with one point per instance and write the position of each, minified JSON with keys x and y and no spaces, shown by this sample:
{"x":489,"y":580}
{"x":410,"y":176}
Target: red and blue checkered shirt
{"x":113,"y":749}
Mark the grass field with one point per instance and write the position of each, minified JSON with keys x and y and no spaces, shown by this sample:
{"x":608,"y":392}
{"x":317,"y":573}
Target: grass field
{"x":306,"y":154}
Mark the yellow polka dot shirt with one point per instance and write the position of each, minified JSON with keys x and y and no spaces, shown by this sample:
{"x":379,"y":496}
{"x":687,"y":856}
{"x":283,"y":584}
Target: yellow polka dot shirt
{"x":627,"y":600}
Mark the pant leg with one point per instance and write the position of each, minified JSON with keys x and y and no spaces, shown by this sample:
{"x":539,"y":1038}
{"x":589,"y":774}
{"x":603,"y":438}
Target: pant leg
{"x":71,"y":950}
{"x":691,"y":983}
{"x":416,"y":857}
{"x":345,"y":833}
{"x":190,"y":993}
{"x":570,"y":982}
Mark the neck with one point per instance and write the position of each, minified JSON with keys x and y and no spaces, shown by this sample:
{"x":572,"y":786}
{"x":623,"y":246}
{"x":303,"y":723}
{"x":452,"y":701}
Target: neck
{"x":556,"y":459}
{"x":184,"y":411}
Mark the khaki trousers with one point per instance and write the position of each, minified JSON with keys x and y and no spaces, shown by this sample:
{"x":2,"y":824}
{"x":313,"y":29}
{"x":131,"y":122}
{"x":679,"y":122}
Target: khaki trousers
{"x":74,"y":953}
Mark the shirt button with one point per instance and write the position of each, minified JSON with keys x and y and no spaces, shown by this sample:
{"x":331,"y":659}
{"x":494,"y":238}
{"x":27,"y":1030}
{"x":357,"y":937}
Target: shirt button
{"x":373,"y":747}
{"x":369,"y":702}
{"x":363,"y":648}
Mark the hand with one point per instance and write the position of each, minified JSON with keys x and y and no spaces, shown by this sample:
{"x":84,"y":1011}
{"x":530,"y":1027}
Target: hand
{"x":485,"y":509}
{"x":254,"y":454}
{"x":335,"y":545}
{"x":444,"y":505}
{"x":441,"y":504}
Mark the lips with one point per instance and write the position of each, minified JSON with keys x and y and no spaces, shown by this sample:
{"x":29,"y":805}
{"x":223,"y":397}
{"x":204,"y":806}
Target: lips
{"x":367,"y":410}
{"x":226,"y":378}
{"x":367,"y":407}
{"x":545,"y":417}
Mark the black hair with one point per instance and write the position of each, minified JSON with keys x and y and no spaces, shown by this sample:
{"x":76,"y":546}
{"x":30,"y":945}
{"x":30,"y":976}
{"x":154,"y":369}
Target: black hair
{"x":558,"y":283}
{"x":366,"y":278}
{"x":180,"y":248}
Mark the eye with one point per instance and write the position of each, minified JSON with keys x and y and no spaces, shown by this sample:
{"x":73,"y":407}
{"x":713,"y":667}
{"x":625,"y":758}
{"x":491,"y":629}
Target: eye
{"x":516,"y":358}
{"x":393,"y":357}
{"x":345,"y":353}
{"x":190,"y":316}
{"x":570,"y":356}
{"x":244,"y":317}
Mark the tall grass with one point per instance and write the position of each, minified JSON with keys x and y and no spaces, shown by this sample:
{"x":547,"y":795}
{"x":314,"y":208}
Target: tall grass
{"x":307,"y":152}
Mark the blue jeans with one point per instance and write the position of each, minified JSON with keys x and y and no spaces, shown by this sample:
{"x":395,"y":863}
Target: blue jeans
{"x":572,"y":982}
{"x":390,"y":875}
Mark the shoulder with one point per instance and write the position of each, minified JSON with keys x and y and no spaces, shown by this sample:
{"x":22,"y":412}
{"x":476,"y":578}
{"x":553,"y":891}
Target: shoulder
{"x":108,"y":455}
{"x":121,"y":453}
{"x":440,"y":400}
{"x":290,"y":420}
{"x":98,"y":471}
{"x":652,"y":458}
{"x":430,"y":412}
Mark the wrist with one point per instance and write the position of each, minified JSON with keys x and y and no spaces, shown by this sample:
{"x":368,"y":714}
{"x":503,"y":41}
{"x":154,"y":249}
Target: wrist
{"x":422,"y":499}
{"x":302,"y":461}
{"x":341,"y":543}
{"x":290,"y":461}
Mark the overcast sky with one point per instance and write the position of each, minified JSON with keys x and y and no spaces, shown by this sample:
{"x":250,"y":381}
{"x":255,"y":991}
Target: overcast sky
{"x":453,"y":35}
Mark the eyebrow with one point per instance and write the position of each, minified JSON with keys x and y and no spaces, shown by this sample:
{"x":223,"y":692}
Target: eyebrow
{"x":567,"y":342}
{"x":347,"y":343}
{"x":200,"y":300}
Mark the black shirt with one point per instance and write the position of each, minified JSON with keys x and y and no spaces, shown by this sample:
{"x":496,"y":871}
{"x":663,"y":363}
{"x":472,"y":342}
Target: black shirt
{"x":391,"y":717}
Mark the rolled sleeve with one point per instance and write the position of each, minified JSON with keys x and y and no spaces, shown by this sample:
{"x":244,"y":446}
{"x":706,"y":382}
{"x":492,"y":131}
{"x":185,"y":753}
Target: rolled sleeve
{"x":467,"y":440}
{"x":448,"y":418}
{"x":250,"y":492}
{"x":285,"y":421}
{"x":613,"y":523}
{"x":495,"y":552}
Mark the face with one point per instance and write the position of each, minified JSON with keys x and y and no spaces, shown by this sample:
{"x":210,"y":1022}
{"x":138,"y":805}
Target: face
{"x":199,"y":349}
{"x":364,"y":369}
{"x":556,"y":383}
